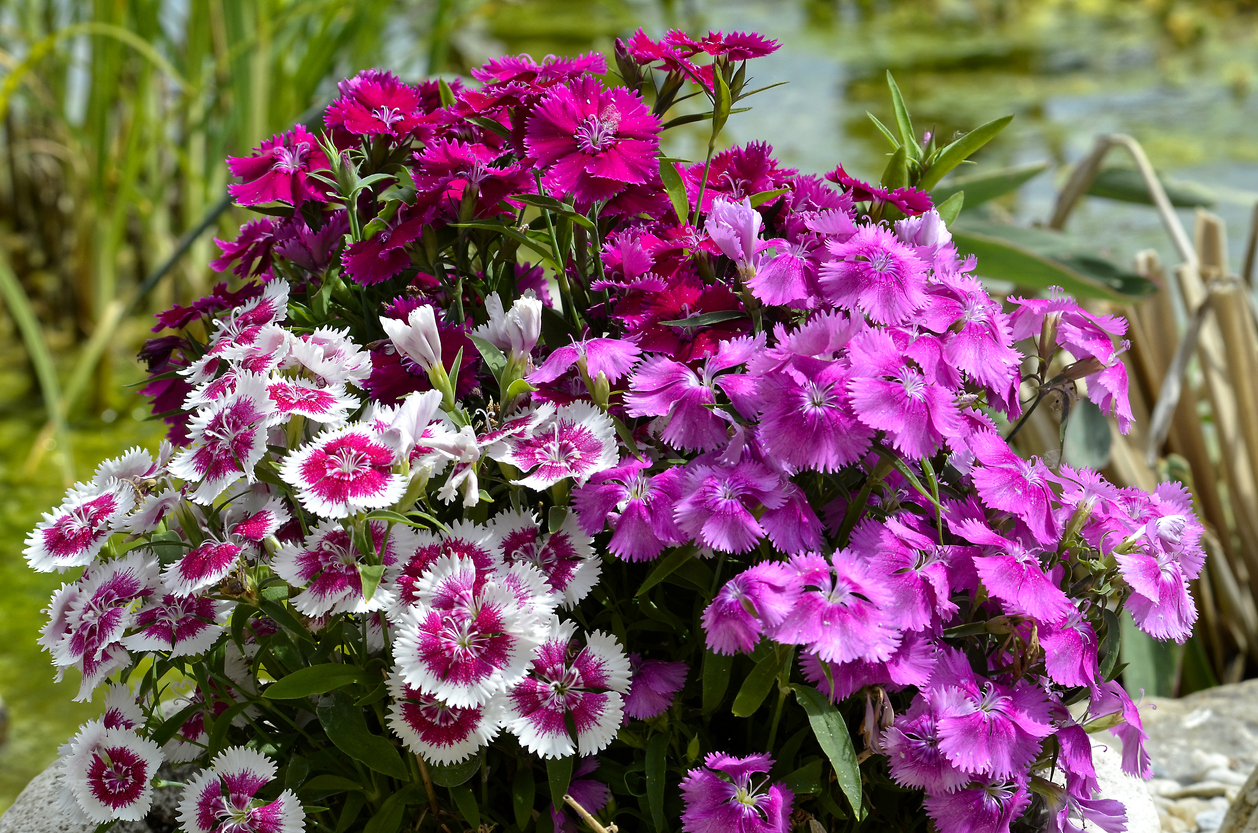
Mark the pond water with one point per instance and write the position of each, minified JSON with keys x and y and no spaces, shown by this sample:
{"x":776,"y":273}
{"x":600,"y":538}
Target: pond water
{"x":1068,"y":71}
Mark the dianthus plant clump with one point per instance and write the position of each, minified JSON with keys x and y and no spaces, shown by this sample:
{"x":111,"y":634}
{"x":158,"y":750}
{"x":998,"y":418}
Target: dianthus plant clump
{"x":520,"y":463}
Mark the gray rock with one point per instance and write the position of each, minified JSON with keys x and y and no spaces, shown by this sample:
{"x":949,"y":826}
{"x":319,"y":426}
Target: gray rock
{"x":36,"y":811}
{"x":1215,"y":728}
{"x":1210,"y":820}
{"x":1142,"y":815}
{"x":1242,"y":816}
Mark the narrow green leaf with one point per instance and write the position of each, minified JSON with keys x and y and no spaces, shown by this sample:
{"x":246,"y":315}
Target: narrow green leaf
{"x":766,"y":196}
{"x":884,"y":130}
{"x":327,"y":782}
{"x":665,"y":567}
{"x":831,"y":733}
{"x":370,"y":575}
{"x":41,"y":359}
{"x":1110,"y":644}
{"x":656,"y":778}
{"x":1038,"y":259}
{"x":492,"y":125}
{"x":1152,"y":666}
{"x":388,"y":819}
{"x":452,"y":775}
{"x":317,"y":679}
{"x":517,"y":388}
{"x":896,"y":174}
{"x":908,"y":139}
{"x":494,"y":359}
{"x":705,"y":319}
{"x":347,"y":729}
{"x":354,"y":803}
{"x":175,"y":722}
{"x":447,"y":94}
{"x":951,"y":207}
{"x":960,"y":150}
{"x":555,"y":519}
{"x":465,"y":800}
{"x":806,"y":780}
{"x":987,"y":185}
{"x":757,"y":686}
{"x":716,"y":668}
{"x":721,"y":105}
{"x":559,"y":775}
{"x":523,"y":795}
{"x":675,"y":187}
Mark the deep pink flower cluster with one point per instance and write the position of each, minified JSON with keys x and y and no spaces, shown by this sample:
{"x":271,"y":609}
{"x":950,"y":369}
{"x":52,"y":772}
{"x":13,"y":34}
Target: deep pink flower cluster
{"x":445,"y":467}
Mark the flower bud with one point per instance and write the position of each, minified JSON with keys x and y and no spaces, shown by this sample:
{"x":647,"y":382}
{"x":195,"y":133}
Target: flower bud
{"x":417,"y":337}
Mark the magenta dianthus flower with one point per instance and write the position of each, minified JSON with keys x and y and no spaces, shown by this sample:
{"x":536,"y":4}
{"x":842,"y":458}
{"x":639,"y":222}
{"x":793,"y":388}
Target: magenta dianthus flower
{"x":761,"y":596}
{"x":877,"y":274}
{"x":375,"y":102}
{"x":279,"y":170}
{"x":726,"y":796}
{"x":592,"y":142}
{"x":653,"y":686}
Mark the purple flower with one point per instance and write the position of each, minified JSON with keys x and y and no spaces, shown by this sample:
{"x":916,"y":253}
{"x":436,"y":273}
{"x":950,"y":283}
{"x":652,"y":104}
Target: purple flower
{"x":913,"y":753}
{"x":987,"y":728}
{"x":654,"y":685}
{"x":638,"y":506}
{"x":895,"y":395}
{"x":612,"y":357}
{"x":761,"y":596}
{"x":877,"y":274}
{"x":278,"y":170}
{"x":725,"y":796}
{"x":841,"y":613}
{"x":1005,"y":481}
{"x":807,"y":421}
{"x":592,"y":142}
{"x":986,"y":806}
{"x":717,"y":510}
{"x":1110,"y":698}
{"x":1070,"y":651}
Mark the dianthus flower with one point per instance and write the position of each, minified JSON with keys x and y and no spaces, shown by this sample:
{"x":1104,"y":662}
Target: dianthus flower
{"x":228,"y":440}
{"x":592,"y":142}
{"x":725,"y":796}
{"x":654,"y":685}
{"x":73,"y":534}
{"x":986,"y":806}
{"x":279,"y":170}
{"x":109,"y":773}
{"x":468,"y":637}
{"x":568,"y":681}
{"x":224,"y":798}
{"x":759,"y":597}
{"x":717,"y":508}
{"x":1007,"y":482}
{"x":638,"y":506}
{"x":344,"y":471}
{"x":437,"y":731}
{"x":875,"y":273}
{"x":576,"y":442}
{"x":565,"y":557}
{"x":327,"y":566}
{"x":375,"y":102}
{"x":807,"y":421}
{"x":841,"y":612}
{"x":912,"y":747}
{"x":178,"y":626}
